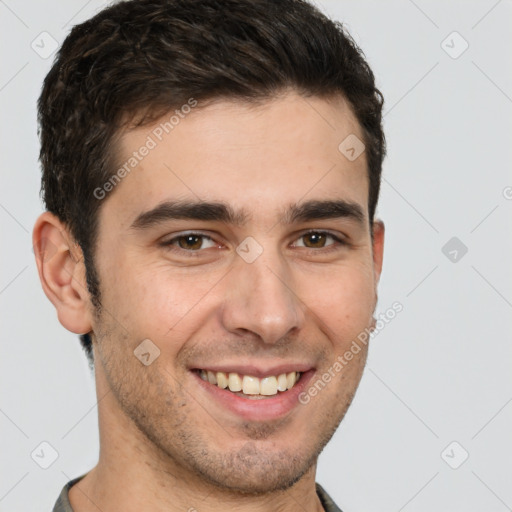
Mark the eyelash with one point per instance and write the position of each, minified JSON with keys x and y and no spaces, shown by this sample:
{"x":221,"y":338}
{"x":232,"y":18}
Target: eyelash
{"x":338,"y":243}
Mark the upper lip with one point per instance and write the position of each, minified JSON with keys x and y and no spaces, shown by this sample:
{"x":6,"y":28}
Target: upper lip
{"x":254,"y":370}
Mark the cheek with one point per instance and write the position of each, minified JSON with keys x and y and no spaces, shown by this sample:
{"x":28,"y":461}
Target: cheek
{"x":156,"y":300}
{"x":344,"y":300}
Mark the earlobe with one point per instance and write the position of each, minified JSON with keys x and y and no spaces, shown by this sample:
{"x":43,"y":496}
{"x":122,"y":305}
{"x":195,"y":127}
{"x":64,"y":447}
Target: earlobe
{"x":378,"y":248}
{"x":62,"y":272}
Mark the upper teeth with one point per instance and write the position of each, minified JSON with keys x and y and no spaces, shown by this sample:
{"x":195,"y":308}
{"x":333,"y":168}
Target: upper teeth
{"x":251,"y":385}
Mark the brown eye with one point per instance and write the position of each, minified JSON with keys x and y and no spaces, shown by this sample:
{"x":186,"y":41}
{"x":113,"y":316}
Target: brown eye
{"x":314,"y":240}
{"x":190,"y":242}
{"x":321,"y":240}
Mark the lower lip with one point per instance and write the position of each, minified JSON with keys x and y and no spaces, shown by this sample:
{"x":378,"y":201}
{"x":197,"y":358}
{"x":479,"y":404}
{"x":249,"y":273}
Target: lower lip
{"x":262,"y":409}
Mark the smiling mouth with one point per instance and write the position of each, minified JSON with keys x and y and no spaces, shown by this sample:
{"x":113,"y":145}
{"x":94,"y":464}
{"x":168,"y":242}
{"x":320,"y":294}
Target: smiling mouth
{"x":248,"y":386}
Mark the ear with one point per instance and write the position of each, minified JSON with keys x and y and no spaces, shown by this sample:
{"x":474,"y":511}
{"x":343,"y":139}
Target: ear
{"x":378,"y":248}
{"x":61,"y":270}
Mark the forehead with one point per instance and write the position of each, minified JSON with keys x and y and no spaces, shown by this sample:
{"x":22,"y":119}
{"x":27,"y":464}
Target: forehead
{"x":258,"y":158}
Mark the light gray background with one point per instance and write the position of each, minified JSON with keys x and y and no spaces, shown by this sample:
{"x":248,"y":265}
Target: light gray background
{"x":439,"y":372}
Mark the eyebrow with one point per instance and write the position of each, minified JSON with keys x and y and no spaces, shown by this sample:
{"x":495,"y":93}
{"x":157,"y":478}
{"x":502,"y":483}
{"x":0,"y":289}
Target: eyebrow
{"x":327,"y":209}
{"x":222,"y":212}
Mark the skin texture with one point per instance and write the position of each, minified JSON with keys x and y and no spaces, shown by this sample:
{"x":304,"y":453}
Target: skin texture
{"x":165,"y":443}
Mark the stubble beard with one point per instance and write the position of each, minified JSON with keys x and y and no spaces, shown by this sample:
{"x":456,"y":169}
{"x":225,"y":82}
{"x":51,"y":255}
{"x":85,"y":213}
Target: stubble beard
{"x":161,"y":412}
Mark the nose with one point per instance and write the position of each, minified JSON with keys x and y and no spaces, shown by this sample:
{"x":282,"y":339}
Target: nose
{"x":260,"y":298}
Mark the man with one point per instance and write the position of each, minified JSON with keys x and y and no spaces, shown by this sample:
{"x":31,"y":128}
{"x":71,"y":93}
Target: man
{"x":211,"y":172}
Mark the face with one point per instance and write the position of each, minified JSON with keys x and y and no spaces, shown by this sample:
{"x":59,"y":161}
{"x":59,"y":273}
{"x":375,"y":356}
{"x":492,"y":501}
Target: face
{"x":240,"y":247}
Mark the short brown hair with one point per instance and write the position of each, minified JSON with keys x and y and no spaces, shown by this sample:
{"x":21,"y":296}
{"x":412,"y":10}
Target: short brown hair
{"x":139,"y":59}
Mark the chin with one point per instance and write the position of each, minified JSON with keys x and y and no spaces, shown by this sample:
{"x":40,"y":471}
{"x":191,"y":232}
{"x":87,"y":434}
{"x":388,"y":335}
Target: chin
{"x":252,"y":470}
